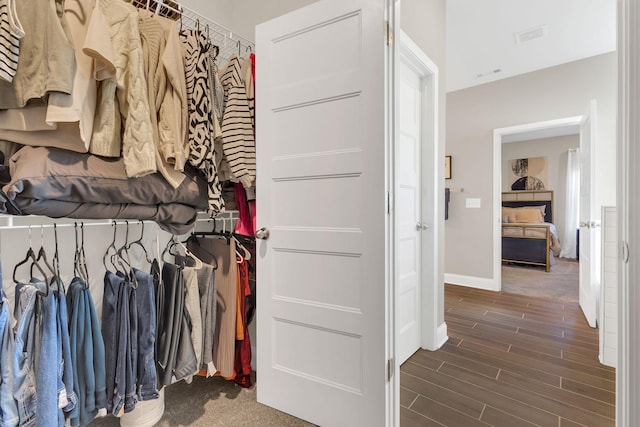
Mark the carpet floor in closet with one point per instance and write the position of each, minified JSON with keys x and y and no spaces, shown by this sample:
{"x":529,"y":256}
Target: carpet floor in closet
{"x":214,"y":402}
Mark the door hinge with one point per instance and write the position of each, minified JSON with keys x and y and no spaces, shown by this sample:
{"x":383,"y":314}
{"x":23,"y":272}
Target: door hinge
{"x":388,"y":203}
{"x":389,"y":31}
{"x":390,"y":369}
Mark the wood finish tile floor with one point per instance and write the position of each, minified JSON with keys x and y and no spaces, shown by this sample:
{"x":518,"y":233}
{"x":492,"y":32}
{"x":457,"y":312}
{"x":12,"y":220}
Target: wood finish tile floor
{"x":511,"y":360}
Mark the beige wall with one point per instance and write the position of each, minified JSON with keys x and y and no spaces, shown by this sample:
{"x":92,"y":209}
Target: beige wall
{"x":473,"y":114}
{"x":555,"y":150}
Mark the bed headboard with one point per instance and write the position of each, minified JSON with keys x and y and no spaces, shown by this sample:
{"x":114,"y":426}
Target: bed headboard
{"x":516,"y":199}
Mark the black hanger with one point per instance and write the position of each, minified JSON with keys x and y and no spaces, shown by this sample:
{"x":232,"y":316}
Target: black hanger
{"x":226,"y":234}
{"x":175,"y":243}
{"x":56,"y":260}
{"x":42,"y":256}
{"x":31,"y":256}
{"x":122,"y":257}
{"x":111,"y":246}
{"x":139,"y":243}
{"x":83,"y":257}
{"x":193,"y":238}
{"x":79,"y":262}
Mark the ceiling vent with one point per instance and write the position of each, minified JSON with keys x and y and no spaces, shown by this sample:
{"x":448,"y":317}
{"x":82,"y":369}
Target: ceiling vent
{"x":531,"y":34}
{"x":488,"y":73}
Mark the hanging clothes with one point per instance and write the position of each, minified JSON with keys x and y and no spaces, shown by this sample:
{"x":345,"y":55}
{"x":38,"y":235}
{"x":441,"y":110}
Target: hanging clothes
{"x":147,"y":382}
{"x":193,"y":311}
{"x":128,"y":340}
{"x":112,"y":285}
{"x":207,"y":290}
{"x":248,"y":73}
{"x":120,"y":331}
{"x":201,"y":126}
{"x":40,"y":71}
{"x":244,"y":225}
{"x":8,"y":408}
{"x":47,"y":368}
{"x":175,"y":350}
{"x":67,"y":397}
{"x":123,"y":119}
{"x":237,"y":129}
{"x":170,"y":155}
{"x":12,"y":32}
{"x":242,"y":363}
{"x":219,"y":252}
{"x":24,"y":375}
{"x":87,"y":354}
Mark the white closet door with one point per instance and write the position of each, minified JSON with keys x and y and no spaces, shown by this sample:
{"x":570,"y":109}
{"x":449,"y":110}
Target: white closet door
{"x":589,"y":235}
{"x":409,"y":213}
{"x":322,"y":323}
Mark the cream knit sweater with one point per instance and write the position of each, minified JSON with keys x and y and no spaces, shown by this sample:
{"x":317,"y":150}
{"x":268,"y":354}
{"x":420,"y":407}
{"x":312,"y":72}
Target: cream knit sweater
{"x":123,"y":103}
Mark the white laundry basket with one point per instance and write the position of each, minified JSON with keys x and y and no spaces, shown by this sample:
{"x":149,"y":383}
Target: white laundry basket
{"x":146,"y":414}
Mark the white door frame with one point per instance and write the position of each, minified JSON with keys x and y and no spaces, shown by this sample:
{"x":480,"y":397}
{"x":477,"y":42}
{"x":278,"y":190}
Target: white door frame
{"x":628,"y":370}
{"x":433,"y":336}
{"x":564,"y":126}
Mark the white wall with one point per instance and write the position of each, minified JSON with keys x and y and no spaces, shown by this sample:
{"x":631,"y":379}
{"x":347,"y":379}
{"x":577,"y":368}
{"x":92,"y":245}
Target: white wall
{"x":555,"y":150}
{"x":242,"y":16}
{"x":473,"y":114}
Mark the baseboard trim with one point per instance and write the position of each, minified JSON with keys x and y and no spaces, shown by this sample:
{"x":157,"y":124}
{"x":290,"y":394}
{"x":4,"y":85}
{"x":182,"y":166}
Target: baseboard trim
{"x":442,"y":335}
{"x":254,"y":358}
{"x":471,"y":282}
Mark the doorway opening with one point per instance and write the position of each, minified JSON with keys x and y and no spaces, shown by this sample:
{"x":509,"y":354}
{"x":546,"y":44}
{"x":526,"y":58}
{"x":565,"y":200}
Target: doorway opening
{"x":541,"y":174}
{"x":517,"y":134}
{"x":417,"y":207}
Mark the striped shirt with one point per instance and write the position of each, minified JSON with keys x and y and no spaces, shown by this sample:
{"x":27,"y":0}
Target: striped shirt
{"x":10,"y":34}
{"x":237,"y":130}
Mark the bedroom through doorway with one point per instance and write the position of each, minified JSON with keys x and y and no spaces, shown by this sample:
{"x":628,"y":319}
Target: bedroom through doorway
{"x":540,"y":200}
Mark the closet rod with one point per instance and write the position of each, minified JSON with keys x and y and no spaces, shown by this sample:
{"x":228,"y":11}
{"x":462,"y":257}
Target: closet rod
{"x":67,"y":222}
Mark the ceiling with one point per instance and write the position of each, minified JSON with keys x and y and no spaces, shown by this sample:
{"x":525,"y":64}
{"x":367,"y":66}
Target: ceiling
{"x":481,"y":36}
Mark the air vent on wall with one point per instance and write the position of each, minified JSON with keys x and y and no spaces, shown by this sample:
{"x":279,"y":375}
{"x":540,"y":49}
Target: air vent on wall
{"x":531,"y":34}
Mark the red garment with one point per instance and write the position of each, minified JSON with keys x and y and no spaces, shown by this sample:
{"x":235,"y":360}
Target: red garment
{"x":244,"y":225}
{"x":253,"y":65}
{"x":252,"y":210}
{"x":242,"y":365}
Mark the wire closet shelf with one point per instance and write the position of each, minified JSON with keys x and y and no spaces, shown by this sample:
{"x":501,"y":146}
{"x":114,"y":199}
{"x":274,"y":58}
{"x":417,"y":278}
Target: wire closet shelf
{"x":225,"y":39}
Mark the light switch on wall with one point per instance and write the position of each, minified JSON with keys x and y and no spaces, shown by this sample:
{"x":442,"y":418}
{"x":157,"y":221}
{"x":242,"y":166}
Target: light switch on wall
{"x":473,"y":203}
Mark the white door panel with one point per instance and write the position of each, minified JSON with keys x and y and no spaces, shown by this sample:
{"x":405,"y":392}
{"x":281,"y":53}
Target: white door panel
{"x":589,"y":232}
{"x":409,"y":213}
{"x":322,"y":325}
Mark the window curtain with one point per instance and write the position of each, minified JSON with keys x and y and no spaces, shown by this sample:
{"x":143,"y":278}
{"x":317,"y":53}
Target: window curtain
{"x":572,"y":205}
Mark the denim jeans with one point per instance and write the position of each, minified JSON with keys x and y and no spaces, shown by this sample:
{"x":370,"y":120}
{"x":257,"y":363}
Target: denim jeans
{"x":8,"y":408}
{"x":67,"y":399}
{"x":129,"y":309}
{"x":112,"y":284}
{"x":24,"y":380}
{"x":146,"y":307}
{"x":47,"y":374}
{"x":87,"y":352}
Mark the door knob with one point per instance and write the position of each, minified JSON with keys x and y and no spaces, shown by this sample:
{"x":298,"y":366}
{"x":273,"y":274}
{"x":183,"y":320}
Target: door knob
{"x":425,"y":227}
{"x":419,"y":226}
{"x":584,"y":224}
{"x":263,"y":233}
